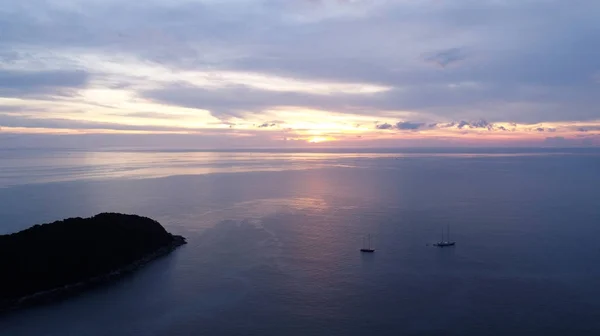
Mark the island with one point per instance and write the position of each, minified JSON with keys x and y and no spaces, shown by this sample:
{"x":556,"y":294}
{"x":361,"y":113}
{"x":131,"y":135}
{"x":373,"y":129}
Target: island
{"x":54,"y":260}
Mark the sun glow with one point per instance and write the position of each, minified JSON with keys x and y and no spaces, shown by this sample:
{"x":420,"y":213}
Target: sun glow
{"x":317,"y":139}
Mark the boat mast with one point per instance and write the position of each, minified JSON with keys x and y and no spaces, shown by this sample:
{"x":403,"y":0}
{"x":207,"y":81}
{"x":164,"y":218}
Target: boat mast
{"x":448,"y":232}
{"x":369,"y":241}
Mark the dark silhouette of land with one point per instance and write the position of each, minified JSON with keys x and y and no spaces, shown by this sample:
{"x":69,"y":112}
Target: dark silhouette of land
{"x":51,"y":260}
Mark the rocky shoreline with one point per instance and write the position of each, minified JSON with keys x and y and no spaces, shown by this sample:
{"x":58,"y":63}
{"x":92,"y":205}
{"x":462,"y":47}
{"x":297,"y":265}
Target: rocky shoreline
{"x":75,"y":288}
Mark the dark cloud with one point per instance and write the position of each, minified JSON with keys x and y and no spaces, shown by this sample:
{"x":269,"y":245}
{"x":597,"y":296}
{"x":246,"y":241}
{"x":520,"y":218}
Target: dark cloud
{"x":481,"y":123}
{"x":406,"y":125}
{"x":451,"y":124}
{"x":18,"y":109}
{"x":40,"y":83}
{"x":222,"y":104}
{"x":590,"y":128}
{"x":240,"y":100}
{"x":265,"y":125}
{"x":22,"y":121}
{"x":385,"y":126}
{"x":466,"y":125}
{"x":9,"y":57}
{"x":446,"y":57}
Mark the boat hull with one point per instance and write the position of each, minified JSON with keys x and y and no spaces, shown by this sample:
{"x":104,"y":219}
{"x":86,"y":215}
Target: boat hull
{"x":444,"y":244}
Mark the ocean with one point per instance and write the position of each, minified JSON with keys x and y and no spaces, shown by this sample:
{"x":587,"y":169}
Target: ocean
{"x":274,"y":239}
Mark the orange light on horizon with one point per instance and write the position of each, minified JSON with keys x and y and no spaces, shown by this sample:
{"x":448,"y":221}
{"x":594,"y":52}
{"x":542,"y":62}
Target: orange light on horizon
{"x":317,"y":139}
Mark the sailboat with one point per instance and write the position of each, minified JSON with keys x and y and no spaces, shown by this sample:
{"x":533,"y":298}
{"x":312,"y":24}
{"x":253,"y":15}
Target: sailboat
{"x":447,"y":242}
{"x":367,"y":247}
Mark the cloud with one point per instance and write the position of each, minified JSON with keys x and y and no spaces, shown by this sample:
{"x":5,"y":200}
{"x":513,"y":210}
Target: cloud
{"x":498,"y":61}
{"x":406,"y":125}
{"x":589,"y":128}
{"x":40,"y":83}
{"x":264,"y":125}
{"x":481,"y":123}
{"x":447,"y":57}
{"x":385,"y":126}
{"x":239,"y":101}
{"x":56,"y":123}
{"x":151,"y":115}
{"x":18,"y":109}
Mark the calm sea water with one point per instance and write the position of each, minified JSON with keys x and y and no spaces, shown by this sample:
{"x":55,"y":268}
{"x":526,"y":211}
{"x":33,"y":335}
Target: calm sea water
{"x":274,"y":238}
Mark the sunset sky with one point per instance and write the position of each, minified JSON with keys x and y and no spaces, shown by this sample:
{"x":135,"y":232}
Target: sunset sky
{"x":272,"y":73}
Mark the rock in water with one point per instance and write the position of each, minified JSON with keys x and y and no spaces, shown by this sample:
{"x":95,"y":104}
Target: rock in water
{"x":52,"y":260}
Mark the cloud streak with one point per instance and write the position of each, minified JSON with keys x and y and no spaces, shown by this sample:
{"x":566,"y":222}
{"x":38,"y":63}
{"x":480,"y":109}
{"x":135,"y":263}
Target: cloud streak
{"x":40,"y":83}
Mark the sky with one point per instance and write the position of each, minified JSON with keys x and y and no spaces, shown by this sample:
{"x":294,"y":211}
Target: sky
{"x":300,"y":73}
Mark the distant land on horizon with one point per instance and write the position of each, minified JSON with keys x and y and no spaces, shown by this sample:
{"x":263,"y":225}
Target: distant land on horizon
{"x":325,"y":149}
